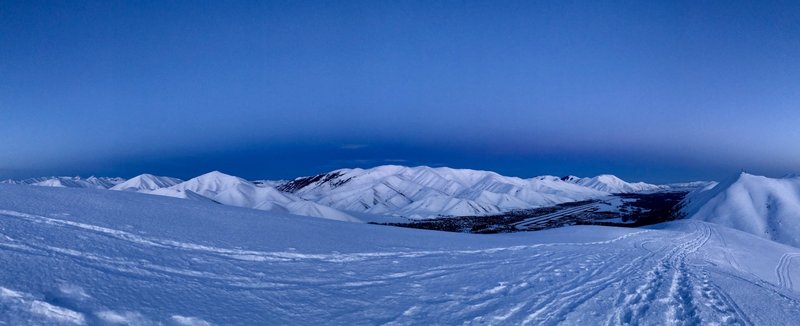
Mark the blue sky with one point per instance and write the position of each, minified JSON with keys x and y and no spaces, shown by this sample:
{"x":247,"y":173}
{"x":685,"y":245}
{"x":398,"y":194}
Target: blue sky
{"x":655,"y":91}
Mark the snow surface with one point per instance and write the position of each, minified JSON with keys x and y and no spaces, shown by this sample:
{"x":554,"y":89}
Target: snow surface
{"x":85,"y":256}
{"x":766,"y":207}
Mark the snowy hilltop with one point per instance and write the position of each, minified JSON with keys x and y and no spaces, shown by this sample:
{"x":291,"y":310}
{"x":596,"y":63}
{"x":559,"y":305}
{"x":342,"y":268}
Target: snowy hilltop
{"x":234,"y":191}
{"x":146,"y":182}
{"x":766,"y":207}
{"x":366,"y":194}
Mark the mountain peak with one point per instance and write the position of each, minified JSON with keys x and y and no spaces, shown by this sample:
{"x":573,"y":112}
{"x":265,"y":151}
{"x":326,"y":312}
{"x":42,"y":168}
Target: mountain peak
{"x":613,"y":184}
{"x":216,"y":174}
{"x":211,"y":181}
{"x":570,"y":178}
{"x":146,"y":181}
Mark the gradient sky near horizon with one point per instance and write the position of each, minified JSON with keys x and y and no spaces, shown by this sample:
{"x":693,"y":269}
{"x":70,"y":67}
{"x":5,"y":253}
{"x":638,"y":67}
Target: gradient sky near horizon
{"x":657,"y":91}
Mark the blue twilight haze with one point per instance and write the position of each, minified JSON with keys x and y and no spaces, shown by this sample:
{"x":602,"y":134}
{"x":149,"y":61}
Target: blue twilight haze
{"x":648,"y":90}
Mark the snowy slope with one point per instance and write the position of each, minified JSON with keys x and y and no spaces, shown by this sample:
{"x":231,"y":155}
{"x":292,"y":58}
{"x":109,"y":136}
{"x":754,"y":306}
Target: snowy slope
{"x":613,"y":184}
{"x":766,"y":207}
{"x":230,"y":190}
{"x":83,"y":256}
{"x":234,"y":191}
{"x":146,"y":182}
{"x":309,"y":208}
{"x":427,"y":192}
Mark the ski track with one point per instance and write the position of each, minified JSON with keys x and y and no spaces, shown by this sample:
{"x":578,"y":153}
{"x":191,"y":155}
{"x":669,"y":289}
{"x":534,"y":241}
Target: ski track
{"x":569,"y":296}
{"x":722,"y":303}
{"x":686,"y":285}
{"x":252,"y":255}
{"x":783,"y":272}
{"x":726,"y":251}
{"x":683,"y":304}
{"x":634,"y":305}
{"x":665,"y":273}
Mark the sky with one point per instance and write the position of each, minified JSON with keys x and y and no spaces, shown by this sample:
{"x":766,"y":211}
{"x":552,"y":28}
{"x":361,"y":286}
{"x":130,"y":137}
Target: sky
{"x":656,"y":91}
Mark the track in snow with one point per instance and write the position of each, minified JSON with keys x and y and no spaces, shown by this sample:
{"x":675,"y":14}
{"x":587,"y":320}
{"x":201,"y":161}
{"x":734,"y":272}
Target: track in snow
{"x":641,"y":276}
{"x":783,"y":272}
{"x":684,"y":304}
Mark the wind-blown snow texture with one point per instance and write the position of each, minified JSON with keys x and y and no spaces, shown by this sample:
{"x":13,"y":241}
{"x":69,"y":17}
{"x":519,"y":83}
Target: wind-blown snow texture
{"x":84,"y":256}
{"x":766,"y":207}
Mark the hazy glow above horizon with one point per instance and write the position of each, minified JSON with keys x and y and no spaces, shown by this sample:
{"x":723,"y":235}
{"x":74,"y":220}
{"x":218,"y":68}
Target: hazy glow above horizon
{"x":648,"y":91}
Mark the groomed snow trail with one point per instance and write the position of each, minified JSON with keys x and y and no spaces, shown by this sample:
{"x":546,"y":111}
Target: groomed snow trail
{"x":70,"y":269}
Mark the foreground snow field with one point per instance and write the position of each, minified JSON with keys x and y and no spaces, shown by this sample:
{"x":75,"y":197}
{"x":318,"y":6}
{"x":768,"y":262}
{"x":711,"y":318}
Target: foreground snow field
{"x":85,"y":256}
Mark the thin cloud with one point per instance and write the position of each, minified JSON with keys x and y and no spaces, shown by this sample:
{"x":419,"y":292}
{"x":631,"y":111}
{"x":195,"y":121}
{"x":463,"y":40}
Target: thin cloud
{"x":353,"y":146}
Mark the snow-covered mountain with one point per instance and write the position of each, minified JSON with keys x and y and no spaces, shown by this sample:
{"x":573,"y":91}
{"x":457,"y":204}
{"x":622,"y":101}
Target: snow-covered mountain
{"x":146,"y":182}
{"x":70,"y":182}
{"x":391,"y":190}
{"x":612,"y":184}
{"x":766,"y":207}
{"x":234,"y":191}
{"x":421,"y":192}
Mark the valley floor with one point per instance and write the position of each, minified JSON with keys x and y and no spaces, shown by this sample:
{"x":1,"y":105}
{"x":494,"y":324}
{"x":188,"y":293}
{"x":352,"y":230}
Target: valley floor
{"x":628,"y":210}
{"x":93,"y":257}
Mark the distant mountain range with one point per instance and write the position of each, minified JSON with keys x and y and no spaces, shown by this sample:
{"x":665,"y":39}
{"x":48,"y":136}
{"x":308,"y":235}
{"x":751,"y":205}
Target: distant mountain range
{"x":767,"y":207}
{"x":69,"y":182}
{"x":411,"y":192}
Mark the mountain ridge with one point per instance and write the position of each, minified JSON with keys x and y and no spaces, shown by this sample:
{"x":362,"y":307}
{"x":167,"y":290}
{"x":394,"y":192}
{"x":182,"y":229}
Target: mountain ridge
{"x":766,"y":207}
{"x":418,"y":192}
